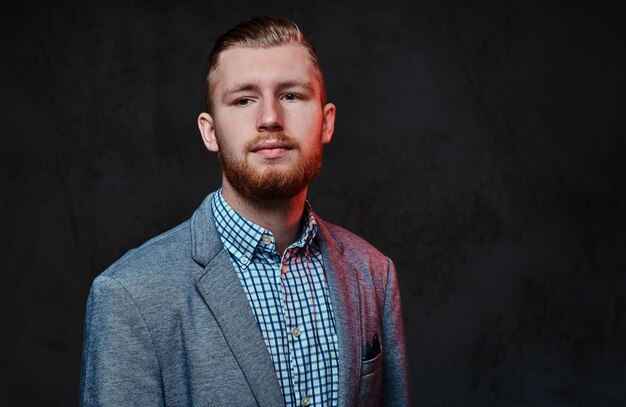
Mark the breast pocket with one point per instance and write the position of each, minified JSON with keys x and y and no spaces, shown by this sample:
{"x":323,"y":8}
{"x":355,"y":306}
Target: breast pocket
{"x":371,"y":366}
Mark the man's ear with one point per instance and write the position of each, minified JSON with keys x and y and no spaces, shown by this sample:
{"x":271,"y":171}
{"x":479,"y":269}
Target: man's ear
{"x":207,"y":129}
{"x":328,"y":122}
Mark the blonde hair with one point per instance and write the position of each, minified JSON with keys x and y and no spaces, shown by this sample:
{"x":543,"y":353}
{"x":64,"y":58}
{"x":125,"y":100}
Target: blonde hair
{"x":260,"y":32}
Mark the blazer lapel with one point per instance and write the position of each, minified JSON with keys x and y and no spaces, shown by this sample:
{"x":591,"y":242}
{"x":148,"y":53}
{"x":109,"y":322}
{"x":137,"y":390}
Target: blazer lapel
{"x":221,"y":290}
{"x":343,"y":286}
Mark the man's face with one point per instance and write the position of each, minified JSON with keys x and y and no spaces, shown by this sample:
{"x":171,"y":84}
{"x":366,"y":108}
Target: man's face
{"x":268,"y":124}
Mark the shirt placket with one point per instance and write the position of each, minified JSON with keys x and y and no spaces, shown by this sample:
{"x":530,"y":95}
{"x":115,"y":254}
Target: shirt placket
{"x":296,"y":329}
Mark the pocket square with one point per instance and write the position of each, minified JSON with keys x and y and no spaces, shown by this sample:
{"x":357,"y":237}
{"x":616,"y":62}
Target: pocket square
{"x":373,"y":349}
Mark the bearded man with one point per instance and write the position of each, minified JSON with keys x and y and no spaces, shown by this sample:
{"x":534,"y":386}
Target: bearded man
{"x":254,"y":301}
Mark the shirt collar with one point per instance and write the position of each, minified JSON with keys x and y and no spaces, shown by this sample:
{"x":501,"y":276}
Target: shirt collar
{"x":243,"y":238}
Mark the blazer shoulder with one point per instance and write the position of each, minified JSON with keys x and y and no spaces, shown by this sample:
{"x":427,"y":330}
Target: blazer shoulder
{"x":160,"y":259}
{"x":355,"y":247}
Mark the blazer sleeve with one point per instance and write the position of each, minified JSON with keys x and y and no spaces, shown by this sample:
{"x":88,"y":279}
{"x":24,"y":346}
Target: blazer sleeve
{"x":119,"y":366}
{"x":395,"y":386}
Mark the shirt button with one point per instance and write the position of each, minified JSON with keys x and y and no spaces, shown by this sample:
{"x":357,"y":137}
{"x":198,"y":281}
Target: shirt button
{"x":266,"y":239}
{"x":306,"y":401}
{"x":295,"y":331}
{"x":283,"y":270}
{"x":245,"y":261}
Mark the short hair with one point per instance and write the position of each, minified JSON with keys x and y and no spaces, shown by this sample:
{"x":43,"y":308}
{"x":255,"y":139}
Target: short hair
{"x":260,"y":32}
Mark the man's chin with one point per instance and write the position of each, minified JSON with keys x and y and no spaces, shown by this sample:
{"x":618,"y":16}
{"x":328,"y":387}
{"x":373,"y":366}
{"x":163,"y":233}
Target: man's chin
{"x":264,"y":167}
{"x":271,"y":169}
{"x":266,"y":183}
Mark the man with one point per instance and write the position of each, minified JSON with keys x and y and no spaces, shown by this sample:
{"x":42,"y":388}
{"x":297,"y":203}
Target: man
{"x":255,"y":301}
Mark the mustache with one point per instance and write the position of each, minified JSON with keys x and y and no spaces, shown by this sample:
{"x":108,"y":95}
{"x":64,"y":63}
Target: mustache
{"x":280,"y":137}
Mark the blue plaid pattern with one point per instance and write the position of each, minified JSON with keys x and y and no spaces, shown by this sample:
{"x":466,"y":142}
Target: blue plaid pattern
{"x":290,"y":300}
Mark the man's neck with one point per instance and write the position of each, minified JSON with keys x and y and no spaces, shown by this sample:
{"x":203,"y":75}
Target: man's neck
{"x":282,"y":217}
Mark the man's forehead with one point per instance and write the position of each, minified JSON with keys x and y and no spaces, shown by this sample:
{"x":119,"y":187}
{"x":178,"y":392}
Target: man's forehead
{"x":289,"y":62}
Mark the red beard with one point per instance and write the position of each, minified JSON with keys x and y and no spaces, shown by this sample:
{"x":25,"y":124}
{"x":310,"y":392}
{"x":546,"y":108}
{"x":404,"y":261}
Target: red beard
{"x":270,"y":183}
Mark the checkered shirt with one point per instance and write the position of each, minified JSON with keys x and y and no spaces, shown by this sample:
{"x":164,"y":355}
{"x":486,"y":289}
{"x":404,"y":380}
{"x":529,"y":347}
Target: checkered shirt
{"x":289,"y":297}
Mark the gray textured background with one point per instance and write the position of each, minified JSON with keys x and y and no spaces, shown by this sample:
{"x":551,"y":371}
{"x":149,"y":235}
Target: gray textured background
{"x":480,"y":146}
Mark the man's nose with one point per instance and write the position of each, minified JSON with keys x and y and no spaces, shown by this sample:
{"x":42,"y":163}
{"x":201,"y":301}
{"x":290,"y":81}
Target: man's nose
{"x":270,"y":118}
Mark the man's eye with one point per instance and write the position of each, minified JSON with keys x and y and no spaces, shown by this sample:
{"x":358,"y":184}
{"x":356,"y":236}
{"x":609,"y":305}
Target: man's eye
{"x":291,"y":96}
{"x":243,"y":102}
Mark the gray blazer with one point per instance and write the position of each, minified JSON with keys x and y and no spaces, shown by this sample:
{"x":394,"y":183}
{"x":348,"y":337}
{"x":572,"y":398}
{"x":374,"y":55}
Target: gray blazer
{"x":169,"y":325}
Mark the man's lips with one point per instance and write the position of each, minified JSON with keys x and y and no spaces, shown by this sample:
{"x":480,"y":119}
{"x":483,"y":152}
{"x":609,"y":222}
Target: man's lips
{"x":271,"y":145}
{"x":271,"y":149}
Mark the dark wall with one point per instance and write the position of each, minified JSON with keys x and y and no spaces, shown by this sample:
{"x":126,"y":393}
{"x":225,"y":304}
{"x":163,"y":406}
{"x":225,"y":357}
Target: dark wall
{"x":480,"y":146}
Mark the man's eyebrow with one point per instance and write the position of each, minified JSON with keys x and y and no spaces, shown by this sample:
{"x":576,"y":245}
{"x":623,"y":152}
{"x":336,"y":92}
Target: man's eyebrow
{"x":295,"y":84}
{"x":237,"y":88}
